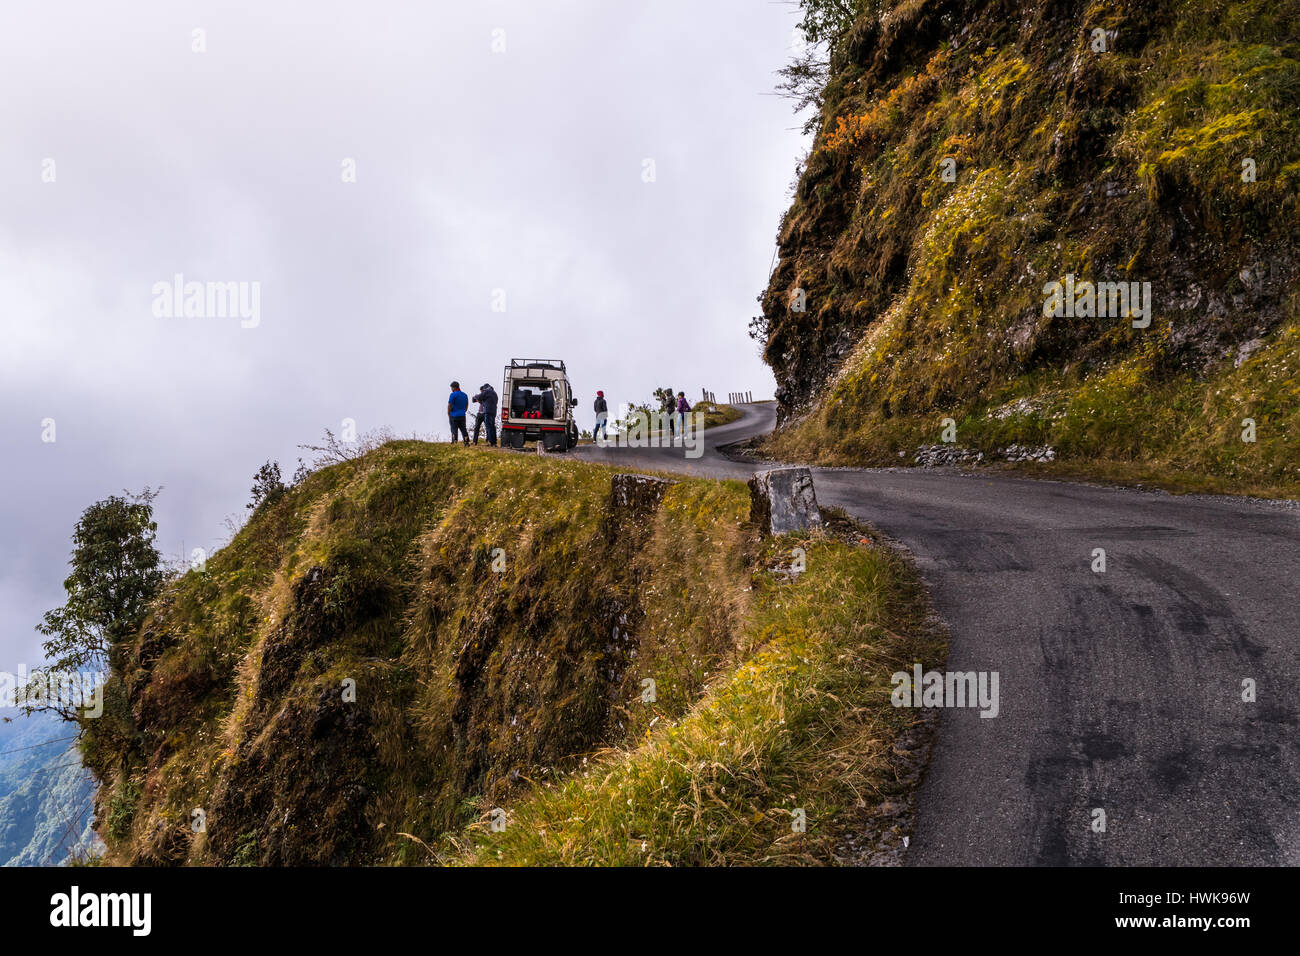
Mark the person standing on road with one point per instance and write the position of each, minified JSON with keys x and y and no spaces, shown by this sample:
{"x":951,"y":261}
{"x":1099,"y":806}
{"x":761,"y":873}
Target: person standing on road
{"x":602,"y":413}
{"x":683,"y":406}
{"x":486,"y":399}
{"x":457,"y":406}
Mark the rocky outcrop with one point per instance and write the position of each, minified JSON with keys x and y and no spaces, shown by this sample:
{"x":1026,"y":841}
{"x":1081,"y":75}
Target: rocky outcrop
{"x":970,"y":153}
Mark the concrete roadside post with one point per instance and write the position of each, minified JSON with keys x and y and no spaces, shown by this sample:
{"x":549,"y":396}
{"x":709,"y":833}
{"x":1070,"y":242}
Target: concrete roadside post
{"x":783,"y":500}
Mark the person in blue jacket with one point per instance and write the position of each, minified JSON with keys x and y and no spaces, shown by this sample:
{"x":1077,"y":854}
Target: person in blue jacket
{"x":457,"y":406}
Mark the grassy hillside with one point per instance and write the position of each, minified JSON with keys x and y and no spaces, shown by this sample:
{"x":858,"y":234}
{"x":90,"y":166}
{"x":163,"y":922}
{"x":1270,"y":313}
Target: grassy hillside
{"x":803,"y":724}
{"x":1172,"y":157}
{"x":498,"y":617}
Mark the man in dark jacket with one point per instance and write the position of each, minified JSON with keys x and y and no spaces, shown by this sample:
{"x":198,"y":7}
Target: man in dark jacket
{"x":598,"y":430}
{"x":486,"y":399}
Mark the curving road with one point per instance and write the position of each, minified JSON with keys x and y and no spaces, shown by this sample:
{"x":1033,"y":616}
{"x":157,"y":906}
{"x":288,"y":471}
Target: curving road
{"x":1119,"y":691}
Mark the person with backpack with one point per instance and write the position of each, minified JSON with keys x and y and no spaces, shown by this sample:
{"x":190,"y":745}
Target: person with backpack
{"x":668,"y":409}
{"x":683,"y":406}
{"x":602,"y":413}
{"x":457,"y":406}
{"x":486,"y":399}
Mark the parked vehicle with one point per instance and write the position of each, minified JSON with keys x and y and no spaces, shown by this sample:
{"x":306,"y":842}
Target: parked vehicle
{"x":537,"y":405}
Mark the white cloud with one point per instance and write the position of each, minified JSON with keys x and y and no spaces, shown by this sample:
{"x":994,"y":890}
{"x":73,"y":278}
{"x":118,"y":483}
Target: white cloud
{"x":475,"y":171}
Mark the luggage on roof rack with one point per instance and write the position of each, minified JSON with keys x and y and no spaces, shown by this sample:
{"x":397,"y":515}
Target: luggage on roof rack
{"x":557,"y":364}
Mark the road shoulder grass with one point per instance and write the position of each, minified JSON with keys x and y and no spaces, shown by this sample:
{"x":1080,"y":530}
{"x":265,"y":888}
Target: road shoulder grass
{"x":802,"y":729}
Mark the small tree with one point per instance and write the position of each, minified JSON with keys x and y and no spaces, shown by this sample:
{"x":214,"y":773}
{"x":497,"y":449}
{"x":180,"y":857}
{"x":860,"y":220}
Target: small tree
{"x":824,"y":23}
{"x":116,"y":571}
{"x":336,"y":450}
{"x":267,"y":485}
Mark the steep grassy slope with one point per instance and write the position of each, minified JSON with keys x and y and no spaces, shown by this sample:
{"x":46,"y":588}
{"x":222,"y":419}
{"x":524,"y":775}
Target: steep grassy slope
{"x":1172,"y":157}
{"x":803,"y":726}
{"x":405,"y":642}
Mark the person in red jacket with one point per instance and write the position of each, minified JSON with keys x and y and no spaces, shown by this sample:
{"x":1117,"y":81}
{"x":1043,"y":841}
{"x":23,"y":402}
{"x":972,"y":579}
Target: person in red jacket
{"x":601,"y":407}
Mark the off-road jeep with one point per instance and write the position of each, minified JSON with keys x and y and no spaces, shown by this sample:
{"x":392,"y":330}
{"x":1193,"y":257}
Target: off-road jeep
{"x":537,"y":405}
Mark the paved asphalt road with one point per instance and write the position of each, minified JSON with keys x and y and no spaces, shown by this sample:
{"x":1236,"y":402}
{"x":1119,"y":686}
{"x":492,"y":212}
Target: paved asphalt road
{"x":1119,"y":691}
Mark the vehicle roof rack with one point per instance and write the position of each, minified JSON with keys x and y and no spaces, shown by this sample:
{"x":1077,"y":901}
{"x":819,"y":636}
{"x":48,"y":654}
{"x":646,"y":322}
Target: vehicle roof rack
{"x":537,"y":363}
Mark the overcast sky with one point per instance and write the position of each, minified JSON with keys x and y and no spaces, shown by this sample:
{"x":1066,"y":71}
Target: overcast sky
{"x":128,"y":157}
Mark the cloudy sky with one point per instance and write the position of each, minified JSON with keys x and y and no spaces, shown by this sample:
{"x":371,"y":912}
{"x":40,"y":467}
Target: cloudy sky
{"x":613,"y":173}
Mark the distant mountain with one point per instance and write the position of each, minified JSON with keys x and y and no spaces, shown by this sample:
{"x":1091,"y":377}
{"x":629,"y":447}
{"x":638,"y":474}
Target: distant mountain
{"x":46,"y":795}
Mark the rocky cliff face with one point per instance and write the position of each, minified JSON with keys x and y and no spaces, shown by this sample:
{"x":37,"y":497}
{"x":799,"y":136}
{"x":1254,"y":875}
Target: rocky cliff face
{"x":969,"y":155}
